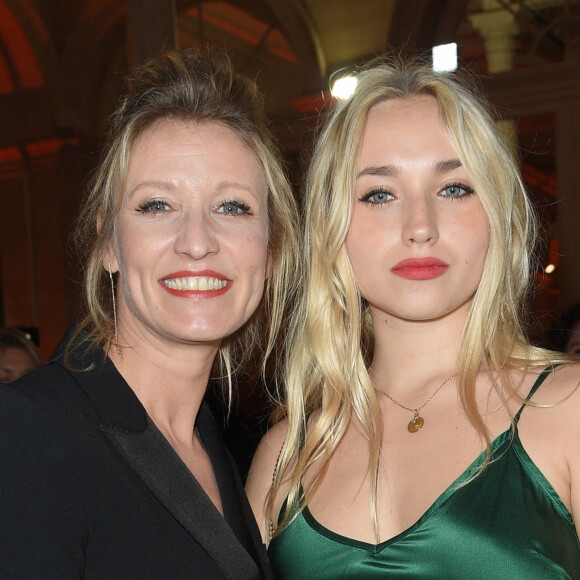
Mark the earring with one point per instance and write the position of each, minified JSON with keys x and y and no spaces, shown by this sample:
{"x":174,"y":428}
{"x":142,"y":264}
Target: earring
{"x":116,"y":331}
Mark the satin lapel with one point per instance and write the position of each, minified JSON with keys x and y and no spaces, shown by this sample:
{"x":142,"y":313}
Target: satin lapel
{"x":155,"y":462}
{"x":237,"y":511}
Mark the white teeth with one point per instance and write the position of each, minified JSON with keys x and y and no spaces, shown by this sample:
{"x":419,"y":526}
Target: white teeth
{"x":202,"y":283}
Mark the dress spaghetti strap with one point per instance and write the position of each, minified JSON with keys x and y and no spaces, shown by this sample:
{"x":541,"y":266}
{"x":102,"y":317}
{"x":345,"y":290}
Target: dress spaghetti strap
{"x":544,"y":374}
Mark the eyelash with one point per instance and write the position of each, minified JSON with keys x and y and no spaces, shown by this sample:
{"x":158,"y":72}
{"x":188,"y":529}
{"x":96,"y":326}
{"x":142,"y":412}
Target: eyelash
{"x":148,"y":206}
{"x":467,"y":190}
{"x":367,"y":196}
{"x":245,"y":209}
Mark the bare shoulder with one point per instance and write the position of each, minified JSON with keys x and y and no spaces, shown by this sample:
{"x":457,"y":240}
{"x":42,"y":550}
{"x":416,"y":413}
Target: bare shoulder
{"x":565,"y":382}
{"x":550,"y":431}
{"x":262,"y":471}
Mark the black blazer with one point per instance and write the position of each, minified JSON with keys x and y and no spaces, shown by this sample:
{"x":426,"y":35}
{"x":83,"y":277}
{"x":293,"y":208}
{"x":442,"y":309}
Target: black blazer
{"x":90,"y":488}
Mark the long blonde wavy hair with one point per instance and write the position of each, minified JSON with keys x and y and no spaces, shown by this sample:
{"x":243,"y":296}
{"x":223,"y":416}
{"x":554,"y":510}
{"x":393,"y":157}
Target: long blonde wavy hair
{"x":331,"y":337}
{"x":189,"y":86}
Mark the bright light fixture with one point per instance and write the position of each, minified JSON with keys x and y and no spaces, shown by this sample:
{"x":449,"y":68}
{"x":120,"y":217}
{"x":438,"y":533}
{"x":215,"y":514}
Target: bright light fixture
{"x":343,"y":88}
{"x":549,"y":268}
{"x":445,"y":57}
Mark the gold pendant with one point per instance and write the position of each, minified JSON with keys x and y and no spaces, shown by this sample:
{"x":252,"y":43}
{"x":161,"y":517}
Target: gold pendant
{"x":415,"y":423}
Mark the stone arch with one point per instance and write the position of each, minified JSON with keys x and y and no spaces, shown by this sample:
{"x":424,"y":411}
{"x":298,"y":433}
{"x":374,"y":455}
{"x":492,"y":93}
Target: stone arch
{"x":303,"y":37}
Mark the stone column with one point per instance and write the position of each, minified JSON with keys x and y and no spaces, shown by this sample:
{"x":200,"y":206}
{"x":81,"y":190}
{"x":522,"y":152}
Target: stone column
{"x":498,"y":28}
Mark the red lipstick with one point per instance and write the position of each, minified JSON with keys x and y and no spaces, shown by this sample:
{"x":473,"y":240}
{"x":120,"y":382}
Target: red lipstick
{"x":201,"y":284}
{"x":420,"y":268}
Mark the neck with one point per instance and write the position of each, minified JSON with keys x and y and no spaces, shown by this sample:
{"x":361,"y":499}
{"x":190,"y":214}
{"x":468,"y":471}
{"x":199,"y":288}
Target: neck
{"x":412,"y":358}
{"x":170,"y":379}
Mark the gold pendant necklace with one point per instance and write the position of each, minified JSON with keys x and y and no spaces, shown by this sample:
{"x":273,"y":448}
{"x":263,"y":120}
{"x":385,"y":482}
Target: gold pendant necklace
{"x":417,"y":421}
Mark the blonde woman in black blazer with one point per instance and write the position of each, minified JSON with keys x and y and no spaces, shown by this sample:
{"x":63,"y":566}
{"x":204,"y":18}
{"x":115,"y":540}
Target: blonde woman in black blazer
{"x":111,"y":465}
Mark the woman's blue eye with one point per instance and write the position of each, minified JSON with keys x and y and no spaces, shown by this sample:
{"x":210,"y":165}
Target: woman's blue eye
{"x":377,"y":197}
{"x":153,"y":206}
{"x":233,"y":208}
{"x":455,"y":190}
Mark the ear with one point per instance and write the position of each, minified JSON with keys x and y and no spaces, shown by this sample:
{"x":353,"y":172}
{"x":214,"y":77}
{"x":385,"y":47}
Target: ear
{"x":109,"y":260}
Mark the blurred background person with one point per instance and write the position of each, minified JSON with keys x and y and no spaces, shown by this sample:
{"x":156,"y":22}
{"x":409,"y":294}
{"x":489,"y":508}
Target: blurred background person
{"x":18,"y":354}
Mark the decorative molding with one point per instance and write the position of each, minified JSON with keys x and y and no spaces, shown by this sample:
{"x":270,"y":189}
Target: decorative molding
{"x":534,"y":90}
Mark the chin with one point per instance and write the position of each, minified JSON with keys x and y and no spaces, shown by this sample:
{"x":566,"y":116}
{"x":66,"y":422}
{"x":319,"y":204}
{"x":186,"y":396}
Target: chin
{"x":210,"y":335}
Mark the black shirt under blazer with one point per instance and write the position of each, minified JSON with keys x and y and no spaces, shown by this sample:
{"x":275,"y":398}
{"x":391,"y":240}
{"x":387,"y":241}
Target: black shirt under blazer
{"x":90,"y":488}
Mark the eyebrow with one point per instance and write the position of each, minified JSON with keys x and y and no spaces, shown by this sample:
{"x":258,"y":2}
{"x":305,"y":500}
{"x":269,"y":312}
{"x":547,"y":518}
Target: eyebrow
{"x":445,"y":166}
{"x":383,"y":170}
{"x":388,"y":170}
{"x":168,"y":186}
{"x":163,"y":185}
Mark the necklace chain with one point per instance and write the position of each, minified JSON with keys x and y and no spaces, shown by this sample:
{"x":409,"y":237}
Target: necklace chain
{"x":417,"y":422}
{"x":427,"y":401}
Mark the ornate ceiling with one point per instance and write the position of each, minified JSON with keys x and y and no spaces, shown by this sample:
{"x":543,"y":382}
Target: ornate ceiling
{"x":61,"y":61}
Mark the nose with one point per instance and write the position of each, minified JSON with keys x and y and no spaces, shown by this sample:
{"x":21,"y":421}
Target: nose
{"x":197,"y":236}
{"x":420,"y":221}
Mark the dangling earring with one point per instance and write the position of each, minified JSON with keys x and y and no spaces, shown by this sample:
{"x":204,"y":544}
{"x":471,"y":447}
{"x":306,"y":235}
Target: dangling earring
{"x":116,"y":331}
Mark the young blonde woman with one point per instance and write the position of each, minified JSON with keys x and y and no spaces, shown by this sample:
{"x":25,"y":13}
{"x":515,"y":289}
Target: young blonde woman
{"x":421,"y":435}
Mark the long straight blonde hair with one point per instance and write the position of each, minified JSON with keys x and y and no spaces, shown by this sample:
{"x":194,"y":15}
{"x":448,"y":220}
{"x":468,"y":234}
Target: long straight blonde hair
{"x":331,"y":337}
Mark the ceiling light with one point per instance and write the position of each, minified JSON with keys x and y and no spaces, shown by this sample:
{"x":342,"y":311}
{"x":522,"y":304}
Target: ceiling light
{"x":343,"y":88}
{"x":445,"y":57}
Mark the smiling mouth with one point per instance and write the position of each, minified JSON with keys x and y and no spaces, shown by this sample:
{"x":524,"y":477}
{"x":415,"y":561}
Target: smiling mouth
{"x":195,"y":284}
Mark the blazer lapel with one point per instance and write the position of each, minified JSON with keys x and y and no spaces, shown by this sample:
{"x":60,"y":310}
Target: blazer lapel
{"x":155,"y":462}
{"x":237,"y":511}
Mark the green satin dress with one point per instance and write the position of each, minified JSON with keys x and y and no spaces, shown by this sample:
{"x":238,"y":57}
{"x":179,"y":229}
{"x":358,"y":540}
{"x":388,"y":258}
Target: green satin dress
{"x":506,"y":523}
